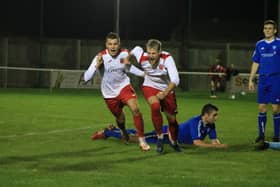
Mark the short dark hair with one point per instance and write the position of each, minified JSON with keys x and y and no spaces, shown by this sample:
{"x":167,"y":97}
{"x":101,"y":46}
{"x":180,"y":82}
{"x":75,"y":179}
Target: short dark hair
{"x":113,"y":35}
{"x":270,"y":22}
{"x":208,"y":108}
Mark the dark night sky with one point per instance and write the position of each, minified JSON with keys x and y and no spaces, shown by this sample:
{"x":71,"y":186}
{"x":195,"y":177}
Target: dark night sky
{"x":216,"y":20}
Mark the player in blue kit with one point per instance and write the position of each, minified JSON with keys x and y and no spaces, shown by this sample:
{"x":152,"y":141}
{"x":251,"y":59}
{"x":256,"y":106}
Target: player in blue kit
{"x":193,"y":131}
{"x":266,"y":62}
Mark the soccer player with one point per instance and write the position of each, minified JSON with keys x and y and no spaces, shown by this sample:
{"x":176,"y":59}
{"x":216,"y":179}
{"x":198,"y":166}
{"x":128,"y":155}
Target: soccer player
{"x":266,"y":60}
{"x":193,"y":131}
{"x":217,"y":81}
{"x":231,"y":74}
{"x":161,"y":78}
{"x":115,"y":87}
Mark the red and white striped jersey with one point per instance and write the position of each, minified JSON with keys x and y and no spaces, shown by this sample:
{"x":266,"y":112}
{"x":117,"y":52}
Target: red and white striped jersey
{"x":158,"y":77}
{"x":113,"y":73}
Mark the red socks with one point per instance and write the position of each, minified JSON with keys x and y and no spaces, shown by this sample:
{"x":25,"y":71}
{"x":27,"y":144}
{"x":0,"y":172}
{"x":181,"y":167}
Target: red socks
{"x":139,"y":124}
{"x":157,"y":117}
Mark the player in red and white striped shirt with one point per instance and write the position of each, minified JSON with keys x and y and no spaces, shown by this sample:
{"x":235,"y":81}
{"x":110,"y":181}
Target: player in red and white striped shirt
{"x":115,"y":87}
{"x":161,"y":78}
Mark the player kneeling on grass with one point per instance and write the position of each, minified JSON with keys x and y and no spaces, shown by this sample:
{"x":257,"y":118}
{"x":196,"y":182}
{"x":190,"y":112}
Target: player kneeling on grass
{"x":193,"y":131}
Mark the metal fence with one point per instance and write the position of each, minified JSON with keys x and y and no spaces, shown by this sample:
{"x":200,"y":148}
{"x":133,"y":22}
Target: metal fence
{"x":76,"y":54}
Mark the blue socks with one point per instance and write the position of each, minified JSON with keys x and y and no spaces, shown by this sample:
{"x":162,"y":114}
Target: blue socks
{"x":113,"y":133}
{"x":116,"y":133}
{"x":261,"y":123}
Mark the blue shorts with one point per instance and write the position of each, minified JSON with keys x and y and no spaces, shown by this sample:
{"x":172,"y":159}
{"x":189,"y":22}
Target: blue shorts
{"x":269,"y":89}
{"x":151,"y":137}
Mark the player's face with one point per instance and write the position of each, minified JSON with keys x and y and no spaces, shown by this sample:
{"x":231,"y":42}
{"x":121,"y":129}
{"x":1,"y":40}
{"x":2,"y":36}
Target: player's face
{"x":212,"y":117}
{"x":153,"y":55}
{"x":113,"y":46}
{"x":269,"y":31}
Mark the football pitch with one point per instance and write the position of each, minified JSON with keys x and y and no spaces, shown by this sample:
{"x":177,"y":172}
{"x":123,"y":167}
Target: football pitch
{"x":45,"y":141}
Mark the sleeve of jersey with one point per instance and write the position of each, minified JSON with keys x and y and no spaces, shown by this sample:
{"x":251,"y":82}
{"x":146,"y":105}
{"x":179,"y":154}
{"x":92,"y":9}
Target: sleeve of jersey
{"x":90,"y":71}
{"x":134,"y":70}
{"x":172,"y":70}
{"x":213,"y":134}
{"x":137,"y":52}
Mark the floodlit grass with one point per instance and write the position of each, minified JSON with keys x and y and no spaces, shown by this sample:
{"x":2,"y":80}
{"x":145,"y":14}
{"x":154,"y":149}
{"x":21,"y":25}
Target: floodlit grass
{"x":45,"y":141}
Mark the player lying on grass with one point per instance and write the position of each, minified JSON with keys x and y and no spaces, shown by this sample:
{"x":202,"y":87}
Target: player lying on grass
{"x":193,"y":131}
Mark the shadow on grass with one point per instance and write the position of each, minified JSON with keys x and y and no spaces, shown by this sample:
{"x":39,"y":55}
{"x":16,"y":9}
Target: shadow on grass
{"x":13,"y":159}
{"x":99,"y":164}
{"x":232,"y":148}
{"x":96,"y":159}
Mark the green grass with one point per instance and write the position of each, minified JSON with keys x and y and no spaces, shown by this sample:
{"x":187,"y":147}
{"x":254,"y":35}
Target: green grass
{"x":45,"y":141}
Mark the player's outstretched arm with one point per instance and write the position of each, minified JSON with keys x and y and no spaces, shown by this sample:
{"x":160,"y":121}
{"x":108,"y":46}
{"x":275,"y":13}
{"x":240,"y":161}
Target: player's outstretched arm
{"x":135,"y":71}
{"x":217,"y":142}
{"x":137,"y":52}
{"x":214,"y":144}
{"x":132,"y":69}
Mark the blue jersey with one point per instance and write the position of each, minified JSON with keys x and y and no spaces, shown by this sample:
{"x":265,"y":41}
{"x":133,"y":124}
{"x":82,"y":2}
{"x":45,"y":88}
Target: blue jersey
{"x":267,"y":55}
{"x":194,"y":129}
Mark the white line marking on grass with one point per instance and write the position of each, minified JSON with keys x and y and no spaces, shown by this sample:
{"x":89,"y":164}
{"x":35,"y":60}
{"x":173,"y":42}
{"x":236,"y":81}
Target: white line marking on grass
{"x":44,"y":133}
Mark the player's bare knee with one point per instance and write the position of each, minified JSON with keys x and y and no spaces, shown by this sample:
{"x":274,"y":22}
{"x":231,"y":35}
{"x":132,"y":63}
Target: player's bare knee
{"x":136,"y":112}
{"x":262,"y":108}
{"x":170,"y":117}
{"x":275,"y":109}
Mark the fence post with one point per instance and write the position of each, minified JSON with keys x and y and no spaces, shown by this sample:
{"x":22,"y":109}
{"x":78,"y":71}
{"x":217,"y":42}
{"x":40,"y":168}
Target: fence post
{"x":77,"y":53}
{"x":5,"y":52}
{"x":228,"y":54}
